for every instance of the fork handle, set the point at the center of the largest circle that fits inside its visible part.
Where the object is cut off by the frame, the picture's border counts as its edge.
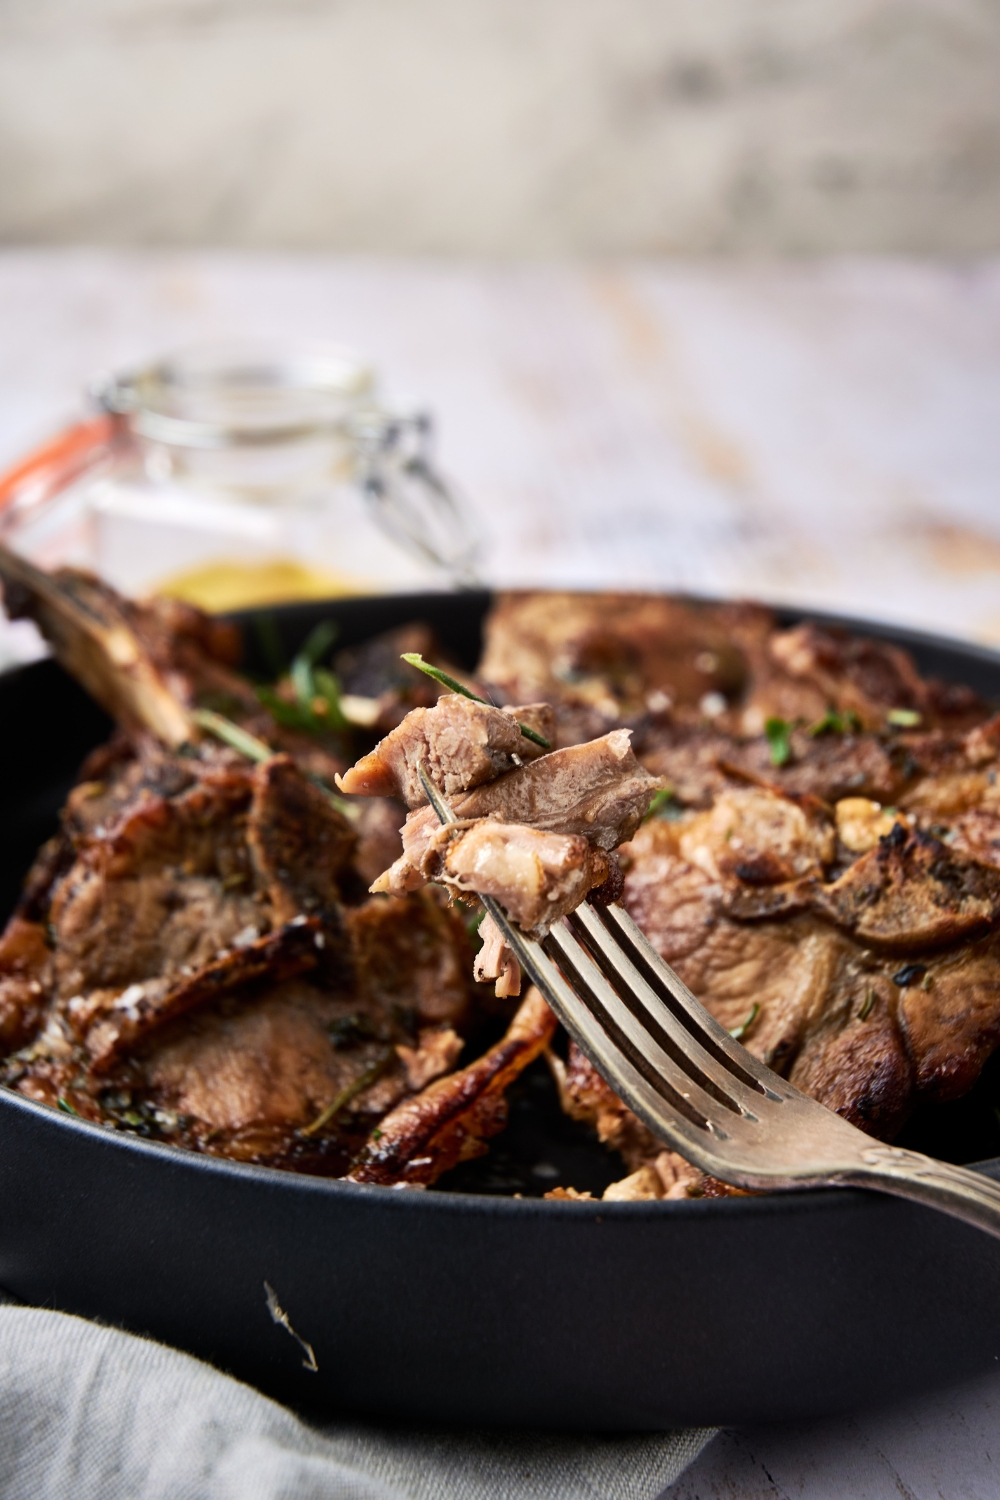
(952, 1190)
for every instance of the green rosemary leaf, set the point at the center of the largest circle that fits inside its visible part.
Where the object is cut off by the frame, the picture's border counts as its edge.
(363, 1081)
(67, 1108)
(844, 721)
(866, 1008)
(779, 737)
(328, 689)
(288, 714)
(903, 718)
(231, 734)
(660, 803)
(740, 1031)
(319, 642)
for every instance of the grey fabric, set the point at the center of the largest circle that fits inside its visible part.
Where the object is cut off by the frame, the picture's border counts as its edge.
(96, 1414)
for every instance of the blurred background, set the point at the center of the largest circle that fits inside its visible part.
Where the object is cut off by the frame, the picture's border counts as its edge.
(503, 127)
(698, 295)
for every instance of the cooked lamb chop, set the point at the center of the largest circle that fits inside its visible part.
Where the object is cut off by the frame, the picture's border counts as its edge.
(602, 659)
(805, 672)
(150, 664)
(848, 985)
(452, 1119)
(176, 930)
(194, 956)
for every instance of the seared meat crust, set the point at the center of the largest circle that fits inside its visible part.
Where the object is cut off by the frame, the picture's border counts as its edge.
(453, 1118)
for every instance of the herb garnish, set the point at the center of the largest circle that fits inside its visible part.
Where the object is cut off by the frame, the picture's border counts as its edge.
(740, 1031)
(231, 734)
(660, 803)
(866, 1007)
(844, 721)
(317, 691)
(415, 659)
(363, 1081)
(67, 1108)
(778, 733)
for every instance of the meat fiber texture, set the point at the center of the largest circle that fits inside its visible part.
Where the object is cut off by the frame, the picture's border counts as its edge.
(459, 743)
(537, 838)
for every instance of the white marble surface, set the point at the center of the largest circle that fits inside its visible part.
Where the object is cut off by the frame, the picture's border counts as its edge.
(826, 433)
(503, 126)
(943, 1447)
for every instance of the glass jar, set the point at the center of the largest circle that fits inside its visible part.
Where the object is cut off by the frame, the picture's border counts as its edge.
(241, 474)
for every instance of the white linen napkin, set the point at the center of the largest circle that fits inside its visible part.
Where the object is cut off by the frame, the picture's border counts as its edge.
(96, 1414)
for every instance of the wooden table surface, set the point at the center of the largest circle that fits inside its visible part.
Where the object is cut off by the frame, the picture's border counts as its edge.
(819, 433)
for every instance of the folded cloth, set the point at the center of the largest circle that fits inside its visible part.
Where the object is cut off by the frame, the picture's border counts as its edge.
(96, 1414)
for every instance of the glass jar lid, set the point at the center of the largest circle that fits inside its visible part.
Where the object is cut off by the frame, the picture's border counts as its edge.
(240, 394)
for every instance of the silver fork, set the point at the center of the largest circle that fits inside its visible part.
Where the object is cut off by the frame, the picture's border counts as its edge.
(696, 1088)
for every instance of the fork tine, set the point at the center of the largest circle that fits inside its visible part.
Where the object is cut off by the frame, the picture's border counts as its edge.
(731, 1085)
(691, 1014)
(684, 1129)
(684, 1088)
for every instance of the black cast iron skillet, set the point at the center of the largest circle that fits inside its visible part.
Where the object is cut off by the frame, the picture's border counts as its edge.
(460, 1306)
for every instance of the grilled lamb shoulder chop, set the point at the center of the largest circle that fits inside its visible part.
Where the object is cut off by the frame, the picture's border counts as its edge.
(203, 970)
(451, 1120)
(150, 663)
(870, 990)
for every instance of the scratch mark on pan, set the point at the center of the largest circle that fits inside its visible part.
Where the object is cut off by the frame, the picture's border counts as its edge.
(279, 1316)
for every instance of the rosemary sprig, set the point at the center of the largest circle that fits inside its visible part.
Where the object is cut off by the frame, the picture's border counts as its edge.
(778, 733)
(740, 1031)
(317, 690)
(660, 803)
(371, 1074)
(416, 660)
(231, 734)
(834, 722)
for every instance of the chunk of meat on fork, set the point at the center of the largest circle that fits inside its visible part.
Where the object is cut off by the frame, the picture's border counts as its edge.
(460, 743)
(597, 792)
(538, 876)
